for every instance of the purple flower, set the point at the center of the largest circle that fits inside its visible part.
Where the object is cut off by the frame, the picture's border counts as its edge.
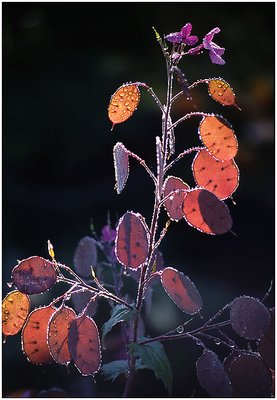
(215, 52)
(183, 36)
(108, 234)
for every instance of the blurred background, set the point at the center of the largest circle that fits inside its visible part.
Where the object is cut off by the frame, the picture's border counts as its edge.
(61, 64)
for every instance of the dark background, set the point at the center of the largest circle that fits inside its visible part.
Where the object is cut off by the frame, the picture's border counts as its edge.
(61, 64)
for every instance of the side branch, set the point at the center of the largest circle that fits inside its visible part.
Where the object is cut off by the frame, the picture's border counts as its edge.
(153, 94)
(187, 116)
(143, 163)
(181, 155)
(186, 334)
(193, 85)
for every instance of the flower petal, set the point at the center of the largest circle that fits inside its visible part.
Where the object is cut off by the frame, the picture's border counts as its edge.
(215, 58)
(174, 37)
(191, 40)
(186, 30)
(195, 50)
(217, 49)
(211, 34)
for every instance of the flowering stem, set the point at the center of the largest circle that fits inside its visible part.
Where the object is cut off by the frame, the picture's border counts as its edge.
(161, 150)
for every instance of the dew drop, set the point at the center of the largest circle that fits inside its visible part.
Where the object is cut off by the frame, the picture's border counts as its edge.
(9, 284)
(217, 342)
(4, 339)
(180, 329)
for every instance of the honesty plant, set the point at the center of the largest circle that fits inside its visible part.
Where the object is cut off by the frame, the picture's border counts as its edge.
(65, 330)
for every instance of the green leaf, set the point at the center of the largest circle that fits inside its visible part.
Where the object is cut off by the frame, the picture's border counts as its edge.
(119, 313)
(113, 369)
(153, 356)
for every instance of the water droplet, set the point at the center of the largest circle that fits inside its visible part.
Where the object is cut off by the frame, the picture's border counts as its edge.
(9, 284)
(125, 272)
(4, 339)
(217, 342)
(232, 345)
(180, 329)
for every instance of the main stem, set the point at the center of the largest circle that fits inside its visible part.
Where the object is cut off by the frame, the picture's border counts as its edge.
(161, 165)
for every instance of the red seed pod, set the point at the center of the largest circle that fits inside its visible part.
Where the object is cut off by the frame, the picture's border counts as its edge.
(84, 345)
(181, 290)
(58, 334)
(15, 310)
(218, 136)
(221, 91)
(205, 212)
(123, 103)
(34, 336)
(174, 205)
(34, 275)
(219, 177)
(132, 240)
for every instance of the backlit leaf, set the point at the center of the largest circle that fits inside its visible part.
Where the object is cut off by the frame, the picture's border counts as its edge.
(219, 177)
(132, 240)
(174, 205)
(212, 376)
(250, 377)
(267, 344)
(153, 356)
(121, 166)
(34, 336)
(84, 345)
(119, 313)
(15, 310)
(249, 317)
(221, 92)
(123, 103)
(58, 334)
(34, 275)
(113, 369)
(181, 290)
(85, 256)
(205, 212)
(218, 136)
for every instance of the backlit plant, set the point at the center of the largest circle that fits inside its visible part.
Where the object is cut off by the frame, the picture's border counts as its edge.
(65, 330)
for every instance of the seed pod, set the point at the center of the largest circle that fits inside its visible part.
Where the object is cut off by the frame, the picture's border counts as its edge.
(221, 91)
(123, 103)
(15, 310)
(218, 136)
(34, 275)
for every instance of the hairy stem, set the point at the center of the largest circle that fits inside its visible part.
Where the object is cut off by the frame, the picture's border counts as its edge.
(161, 149)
